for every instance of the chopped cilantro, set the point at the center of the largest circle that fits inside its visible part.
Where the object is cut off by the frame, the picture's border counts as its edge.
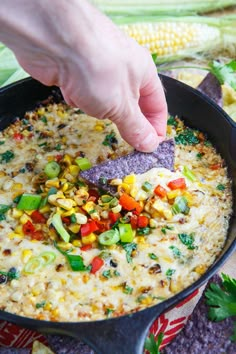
(109, 312)
(129, 248)
(6, 156)
(187, 137)
(39, 305)
(43, 144)
(225, 73)
(207, 143)
(58, 147)
(187, 240)
(164, 228)
(116, 273)
(25, 121)
(152, 345)
(220, 187)
(22, 170)
(11, 274)
(176, 252)
(2, 217)
(107, 274)
(199, 155)
(172, 121)
(2, 142)
(152, 256)
(44, 119)
(128, 289)
(110, 139)
(143, 231)
(3, 209)
(169, 273)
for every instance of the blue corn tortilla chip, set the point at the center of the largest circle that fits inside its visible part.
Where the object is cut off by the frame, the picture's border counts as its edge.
(136, 162)
(211, 87)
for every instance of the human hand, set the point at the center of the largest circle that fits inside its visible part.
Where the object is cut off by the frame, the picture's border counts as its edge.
(97, 67)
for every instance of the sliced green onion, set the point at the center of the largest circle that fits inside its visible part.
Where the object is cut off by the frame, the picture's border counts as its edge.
(126, 233)
(114, 202)
(180, 206)
(29, 202)
(147, 186)
(106, 198)
(109, 237)
(52, 169)
(57, 223)
(34, 265)
(83, 163)
(76, 262)
(189, 174)
(48, 257)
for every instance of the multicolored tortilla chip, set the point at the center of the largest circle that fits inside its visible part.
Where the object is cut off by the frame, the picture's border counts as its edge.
(137, 162)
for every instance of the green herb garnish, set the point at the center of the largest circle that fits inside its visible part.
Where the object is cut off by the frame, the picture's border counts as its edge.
(58, 147)
(172, 121)
(107, 274)
(220, 187)
(11, 274)
(152, 345)
(40, 305)
(222, 300)
(110, 139)
(199, 155)
(109, 312)
(2, 142)
(143, 231)
(129, 248)
(44, 119)
(176, 252)
(127, 289)
(187, 240)
(6, 156)
(169, 273)
(188, 137)
(76, 262)
(152, 256)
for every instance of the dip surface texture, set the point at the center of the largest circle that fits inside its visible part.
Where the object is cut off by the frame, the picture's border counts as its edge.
(71, 252)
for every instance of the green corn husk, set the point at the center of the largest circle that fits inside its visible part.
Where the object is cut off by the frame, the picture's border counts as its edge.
(161, 7)
(10, 69)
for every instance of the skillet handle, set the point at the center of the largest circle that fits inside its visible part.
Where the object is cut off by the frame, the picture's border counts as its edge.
(120, 335)
(233, 144)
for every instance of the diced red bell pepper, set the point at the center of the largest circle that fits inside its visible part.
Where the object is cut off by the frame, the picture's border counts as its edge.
(58, 157)
(38, 218)
(37, 235)
(86, 229)
(96, 264)
(142, 221)
(160, 191)
(134, 221)
(86, 247)
(28, 228)
(178, 183)
(215, 167)
(66, 220)
(103, 225)
(129, 203)
(93, 193)
(114, 216)
(18, 136)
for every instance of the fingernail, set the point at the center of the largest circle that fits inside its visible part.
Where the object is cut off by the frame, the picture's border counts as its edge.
(149, 143)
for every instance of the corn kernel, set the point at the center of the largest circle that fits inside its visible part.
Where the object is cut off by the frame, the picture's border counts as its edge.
(24, 218)
(16, 186)
(35, 292)
(55, 312)
(61, 114)
(146, 300)
(89, 206)
(167, 214)
(74, 170)
(116, 182)
(64, 139)
(141, 195)
(201, 269)
(19, 230)
(117, 208)
(69, 212)
(153, 223)
(65, 187)
(63, 281)
(26, 254)
(13, 235)
(64, 245)
(77, 243)
(85, 278)
(130, 179)
(48, 306)
(124, 187)
(41, 111)
(81, 218)
(173, 194)
(158, 206)
(189, 198)
(98, 128)
(74, 228)
(66, 204)
(87, 240)
(61, 299)
(16, 214)
(134, 192)
(53, 183)
(67, 160)
(45, 209)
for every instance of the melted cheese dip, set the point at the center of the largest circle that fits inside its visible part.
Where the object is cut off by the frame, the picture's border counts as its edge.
(171, 246)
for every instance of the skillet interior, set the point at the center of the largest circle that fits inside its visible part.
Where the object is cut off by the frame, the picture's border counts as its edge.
(118, 334)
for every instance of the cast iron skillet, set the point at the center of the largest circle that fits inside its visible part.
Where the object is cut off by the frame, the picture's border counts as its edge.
(126, 334)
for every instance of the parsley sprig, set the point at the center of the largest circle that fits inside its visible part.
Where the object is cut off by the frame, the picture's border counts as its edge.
(222, 300)
(152, 345)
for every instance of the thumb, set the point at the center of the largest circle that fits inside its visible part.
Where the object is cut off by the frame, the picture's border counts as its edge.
(136, 130)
